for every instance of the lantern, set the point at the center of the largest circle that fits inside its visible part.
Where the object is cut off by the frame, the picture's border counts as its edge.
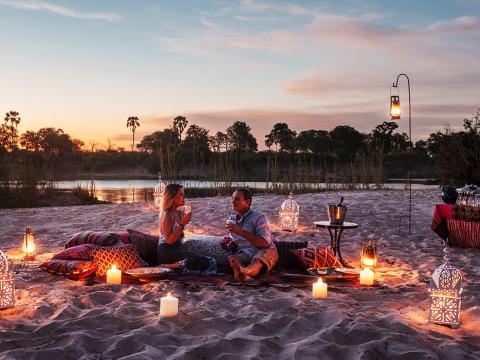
(395, 107)
(7, 288)
(289, 214)
(158, 192)
(368, 255)
(28, 246)
(446, 295)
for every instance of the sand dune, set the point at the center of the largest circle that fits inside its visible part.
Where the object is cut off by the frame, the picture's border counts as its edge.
(63, 319)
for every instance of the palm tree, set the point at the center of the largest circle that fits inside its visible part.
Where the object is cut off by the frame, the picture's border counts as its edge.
(14, 118)
(133, 123)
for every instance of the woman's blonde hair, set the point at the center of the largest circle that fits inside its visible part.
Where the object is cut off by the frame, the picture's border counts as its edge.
(168, 195)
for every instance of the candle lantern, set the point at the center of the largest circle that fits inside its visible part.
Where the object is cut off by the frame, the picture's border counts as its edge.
(368, 256)
(336, 213)
(7, 287)
(28, 246)
(395, 107)
(289, 212)
(446, 295)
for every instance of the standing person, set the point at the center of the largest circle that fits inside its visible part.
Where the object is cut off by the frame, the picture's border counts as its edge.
(252, 238)
(172, 223)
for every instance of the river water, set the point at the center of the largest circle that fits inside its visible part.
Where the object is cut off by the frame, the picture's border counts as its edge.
(121, 191)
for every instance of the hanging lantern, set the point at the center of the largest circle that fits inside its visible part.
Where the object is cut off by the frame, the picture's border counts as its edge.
(395, 107)
(289, 214)
(28, 246)
(394, 104)
(368, 256)
(7, 287)
(446, 296)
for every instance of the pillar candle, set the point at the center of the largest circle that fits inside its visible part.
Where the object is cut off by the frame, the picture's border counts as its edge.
(168, 306)
(366, 276)
(114, 276)
(319, 289)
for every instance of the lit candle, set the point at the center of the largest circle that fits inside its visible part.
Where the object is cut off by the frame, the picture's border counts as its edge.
(366, 276)
(168, 306)
(337, 215)
(319, 289)
(114, 276)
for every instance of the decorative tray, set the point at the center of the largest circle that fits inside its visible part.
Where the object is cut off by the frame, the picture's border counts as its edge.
(336, 274)
(154, 272)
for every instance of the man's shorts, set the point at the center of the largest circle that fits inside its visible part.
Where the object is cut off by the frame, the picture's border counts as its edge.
(268, 257)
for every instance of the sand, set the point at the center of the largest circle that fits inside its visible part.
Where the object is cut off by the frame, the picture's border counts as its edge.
(56, 318)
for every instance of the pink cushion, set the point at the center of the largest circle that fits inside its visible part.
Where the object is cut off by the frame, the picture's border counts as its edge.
(72, 269)
(79, 252)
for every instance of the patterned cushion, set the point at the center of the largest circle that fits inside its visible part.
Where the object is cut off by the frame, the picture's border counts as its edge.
(207, 245)
(79, 252)
(317, 258)
(146, 245)
(100, 238)
(286, 259)
(72, 269)
(78, 238)
(124, 257)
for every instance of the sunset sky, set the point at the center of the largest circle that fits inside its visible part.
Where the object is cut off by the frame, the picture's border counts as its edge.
(86, 66)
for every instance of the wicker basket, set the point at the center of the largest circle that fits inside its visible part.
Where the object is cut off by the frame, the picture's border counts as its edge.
(466, 213)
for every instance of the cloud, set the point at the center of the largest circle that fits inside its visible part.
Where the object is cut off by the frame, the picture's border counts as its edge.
(59, 9)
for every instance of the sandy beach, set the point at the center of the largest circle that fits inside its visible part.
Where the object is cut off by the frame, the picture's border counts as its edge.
(58, 318)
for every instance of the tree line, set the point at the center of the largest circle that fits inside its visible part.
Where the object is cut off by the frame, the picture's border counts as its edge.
(184, 150)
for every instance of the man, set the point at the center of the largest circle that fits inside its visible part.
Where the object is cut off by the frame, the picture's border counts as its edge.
(255, 251)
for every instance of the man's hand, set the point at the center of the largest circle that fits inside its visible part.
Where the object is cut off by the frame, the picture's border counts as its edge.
(234, 229)
(228, 244)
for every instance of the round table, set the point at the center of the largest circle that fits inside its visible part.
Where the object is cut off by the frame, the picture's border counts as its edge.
(335, 236)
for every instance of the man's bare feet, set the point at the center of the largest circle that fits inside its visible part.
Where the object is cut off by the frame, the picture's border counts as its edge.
(235, 265)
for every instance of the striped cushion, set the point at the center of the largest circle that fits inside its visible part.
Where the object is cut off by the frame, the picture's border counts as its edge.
(124, 257)
(317, 258)
(463, 233)
(100, 238)
(72, 269)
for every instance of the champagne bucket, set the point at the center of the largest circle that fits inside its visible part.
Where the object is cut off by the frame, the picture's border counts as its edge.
(336, 214)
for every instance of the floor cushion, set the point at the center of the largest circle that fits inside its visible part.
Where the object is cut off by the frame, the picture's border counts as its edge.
(317, 258)
(286, 259)
(79, 252)
(72, 269)
(100, 238)
(146, 245)
(207, 245)
(124, 257)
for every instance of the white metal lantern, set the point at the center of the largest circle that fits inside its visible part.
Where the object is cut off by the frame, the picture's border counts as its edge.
(289, 214)
(7, 287)
(158, 192)
(446, 295)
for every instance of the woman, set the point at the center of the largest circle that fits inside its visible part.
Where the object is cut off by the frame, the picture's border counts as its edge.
(172, 223)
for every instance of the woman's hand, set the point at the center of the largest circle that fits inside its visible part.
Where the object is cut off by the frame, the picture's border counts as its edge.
(186, 218)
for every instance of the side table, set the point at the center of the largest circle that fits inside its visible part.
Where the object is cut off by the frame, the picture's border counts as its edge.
(335, 236)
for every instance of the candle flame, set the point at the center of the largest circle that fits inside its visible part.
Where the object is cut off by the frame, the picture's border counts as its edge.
(319, 281)
(368, 262)
(169, 293)
(114, 267)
